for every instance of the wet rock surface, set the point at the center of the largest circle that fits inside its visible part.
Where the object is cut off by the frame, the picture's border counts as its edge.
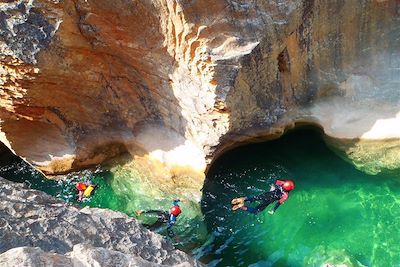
(30, 218)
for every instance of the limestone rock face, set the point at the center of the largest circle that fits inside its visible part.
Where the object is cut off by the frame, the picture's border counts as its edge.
(35, 219)
(28, 256)
(329, 63)
(82, 255)
(178, 82)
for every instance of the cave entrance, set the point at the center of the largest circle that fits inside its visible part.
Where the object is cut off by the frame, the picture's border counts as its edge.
(336, 214)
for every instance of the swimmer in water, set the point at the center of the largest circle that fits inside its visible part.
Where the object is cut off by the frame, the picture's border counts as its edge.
(278, 192)
(168, 217)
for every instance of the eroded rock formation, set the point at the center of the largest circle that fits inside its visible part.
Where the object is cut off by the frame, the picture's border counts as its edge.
(81, 255)
(178, 82)
(49, 228)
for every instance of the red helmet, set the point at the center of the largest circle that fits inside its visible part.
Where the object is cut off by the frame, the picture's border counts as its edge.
(81, 186)
(175, 210)
(288, 185)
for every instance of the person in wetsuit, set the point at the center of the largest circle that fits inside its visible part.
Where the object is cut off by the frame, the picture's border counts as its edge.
(278, 192)
(85, 190)
(168, 217)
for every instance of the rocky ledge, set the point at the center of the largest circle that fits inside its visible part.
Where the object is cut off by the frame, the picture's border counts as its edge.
(37, 229)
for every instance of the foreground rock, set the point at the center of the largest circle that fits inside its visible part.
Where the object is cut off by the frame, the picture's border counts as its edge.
(82, 255)
(34, 219)
(176, 83)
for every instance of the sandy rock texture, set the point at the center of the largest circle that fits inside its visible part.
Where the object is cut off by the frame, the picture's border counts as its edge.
(176, 83)
(53, 233)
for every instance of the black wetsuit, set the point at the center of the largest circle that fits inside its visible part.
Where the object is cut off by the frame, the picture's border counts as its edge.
(162, 218)
(266, 199)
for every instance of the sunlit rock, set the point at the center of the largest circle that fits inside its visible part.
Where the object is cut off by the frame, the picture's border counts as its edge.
(81, 255)
(83, 81)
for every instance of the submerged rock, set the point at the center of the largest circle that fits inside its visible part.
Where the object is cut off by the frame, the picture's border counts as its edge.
(328, 257)
(47, 225)
(369, 156)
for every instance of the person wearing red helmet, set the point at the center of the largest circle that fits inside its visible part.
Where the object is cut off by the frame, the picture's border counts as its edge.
(278, 192)
(84, 190)
(163, 217)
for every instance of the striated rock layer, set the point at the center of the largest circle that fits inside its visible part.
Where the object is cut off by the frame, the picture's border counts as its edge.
(176, 83)
(47, 228)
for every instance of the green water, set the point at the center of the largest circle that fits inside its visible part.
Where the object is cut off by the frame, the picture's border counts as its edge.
(119, 188)
(336, 214)
(14, 169)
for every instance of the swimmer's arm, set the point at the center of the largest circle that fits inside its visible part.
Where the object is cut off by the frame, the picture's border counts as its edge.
(275, 208)
(272, 188)
(280, 201)
(140, 212)
(171, 222)
(80, 195)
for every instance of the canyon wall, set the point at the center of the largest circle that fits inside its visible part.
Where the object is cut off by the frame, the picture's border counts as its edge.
(176, 83)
